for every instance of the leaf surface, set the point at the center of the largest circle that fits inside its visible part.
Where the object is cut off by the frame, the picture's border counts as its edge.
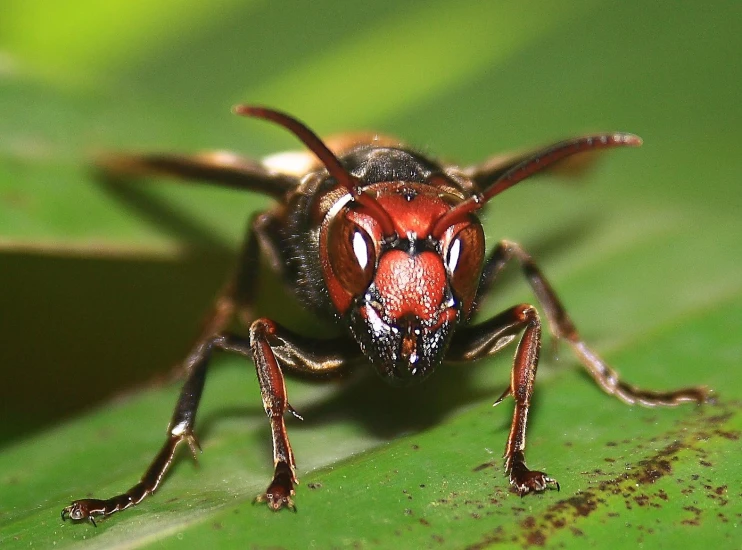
(102, 289)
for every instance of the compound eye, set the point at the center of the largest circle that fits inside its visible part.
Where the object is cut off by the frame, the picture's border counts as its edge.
(352, 255)
(463, 259)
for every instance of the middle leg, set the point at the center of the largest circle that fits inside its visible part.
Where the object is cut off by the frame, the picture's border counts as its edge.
(180, 430)
(563, 328)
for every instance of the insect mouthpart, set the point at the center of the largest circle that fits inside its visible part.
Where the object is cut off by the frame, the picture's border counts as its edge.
(404, 352)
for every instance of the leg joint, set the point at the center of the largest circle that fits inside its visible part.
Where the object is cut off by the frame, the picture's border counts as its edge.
(527, 314)
(261, 329)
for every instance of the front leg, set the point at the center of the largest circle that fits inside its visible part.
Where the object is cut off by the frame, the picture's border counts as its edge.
(522, 379)
(275, 402)
(269, 342)
(487, 338)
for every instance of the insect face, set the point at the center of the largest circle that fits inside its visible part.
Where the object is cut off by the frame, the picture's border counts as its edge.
(402, 295)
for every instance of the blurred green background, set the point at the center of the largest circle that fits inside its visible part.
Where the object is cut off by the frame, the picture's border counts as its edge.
(101, 290)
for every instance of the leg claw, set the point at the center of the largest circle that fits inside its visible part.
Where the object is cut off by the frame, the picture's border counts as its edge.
(83, 509)
(277, 497)
(281, 490)
(525, 481)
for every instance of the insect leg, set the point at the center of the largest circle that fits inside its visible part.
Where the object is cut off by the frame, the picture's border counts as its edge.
(489, 337)
(180, 430)
(563, 328)
(269, 342)
(308, 355)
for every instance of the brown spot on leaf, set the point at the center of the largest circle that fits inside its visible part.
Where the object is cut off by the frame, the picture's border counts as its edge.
(696, 519)
(536, 538)
(630, 489)
(731, 436)
(583, 504)
(642, 500)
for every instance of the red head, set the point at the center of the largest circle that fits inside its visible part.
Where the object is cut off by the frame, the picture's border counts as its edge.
(403, 293)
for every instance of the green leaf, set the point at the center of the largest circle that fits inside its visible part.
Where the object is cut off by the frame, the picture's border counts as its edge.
(101, 290)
